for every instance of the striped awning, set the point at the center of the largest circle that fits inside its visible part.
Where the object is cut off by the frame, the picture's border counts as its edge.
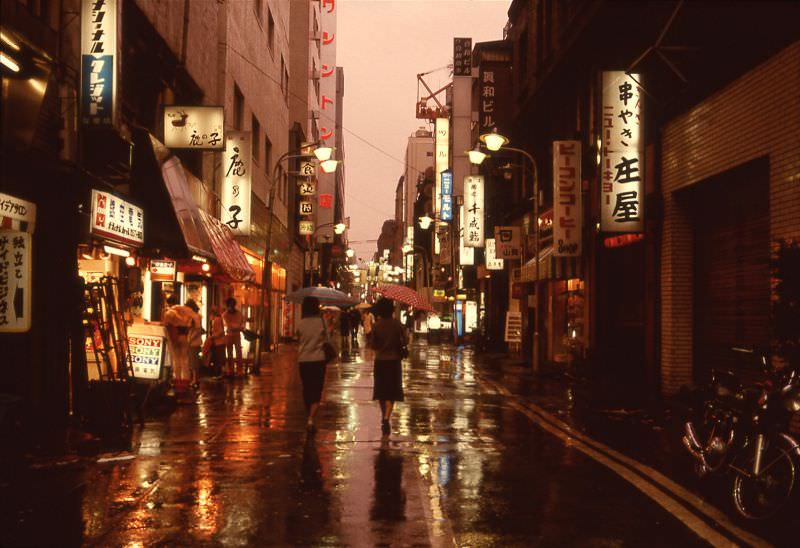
(551, 268)
(227, 251)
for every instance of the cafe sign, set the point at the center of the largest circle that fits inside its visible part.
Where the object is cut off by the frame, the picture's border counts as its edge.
(199, 127)
(116, 219)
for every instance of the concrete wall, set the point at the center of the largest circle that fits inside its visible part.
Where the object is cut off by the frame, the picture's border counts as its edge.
(757, 115)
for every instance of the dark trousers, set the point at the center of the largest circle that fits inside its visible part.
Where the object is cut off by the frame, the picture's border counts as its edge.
(217, 359)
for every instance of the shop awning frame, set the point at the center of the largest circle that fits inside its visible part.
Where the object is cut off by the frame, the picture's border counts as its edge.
(550, 267)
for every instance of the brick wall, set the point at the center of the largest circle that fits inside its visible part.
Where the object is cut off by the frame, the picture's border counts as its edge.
(757, 115)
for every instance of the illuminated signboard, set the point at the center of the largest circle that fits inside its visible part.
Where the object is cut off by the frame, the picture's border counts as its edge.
(237, 181)
(98, 62)
(194, 127)
(567, 202)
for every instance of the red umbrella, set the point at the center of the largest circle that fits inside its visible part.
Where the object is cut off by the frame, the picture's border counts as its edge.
(405, 295)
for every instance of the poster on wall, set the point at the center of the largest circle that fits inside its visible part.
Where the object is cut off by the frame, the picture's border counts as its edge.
(16, 262)
(98, 62)
(198, 127)
(567, 201)
(622, 158)
(116, 219)
(237, 180)
(473, 210)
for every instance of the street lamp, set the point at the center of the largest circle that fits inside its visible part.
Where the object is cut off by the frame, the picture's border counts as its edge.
(425, 222)
(476, 155)
(350, 253)
(494, 142)
(338, 229)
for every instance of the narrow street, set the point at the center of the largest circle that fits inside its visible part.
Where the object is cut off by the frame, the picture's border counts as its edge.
(467, 464)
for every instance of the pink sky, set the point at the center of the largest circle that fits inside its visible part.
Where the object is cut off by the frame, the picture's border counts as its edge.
(382, 46)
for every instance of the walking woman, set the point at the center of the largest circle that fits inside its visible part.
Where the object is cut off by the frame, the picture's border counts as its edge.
(312, 333)
(388, 339)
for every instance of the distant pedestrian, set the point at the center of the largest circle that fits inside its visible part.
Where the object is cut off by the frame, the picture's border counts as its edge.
(355, 320)
(344, 331)
(195, 343)
(389, 342)
(219, 342)
(234, 325)
(177, 321)
(312, 333)
(368, 320)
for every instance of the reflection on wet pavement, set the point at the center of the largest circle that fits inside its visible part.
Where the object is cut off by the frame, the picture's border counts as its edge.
(461, 467)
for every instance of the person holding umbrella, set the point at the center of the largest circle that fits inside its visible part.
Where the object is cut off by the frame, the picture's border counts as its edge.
(312, 334)
(389, 342)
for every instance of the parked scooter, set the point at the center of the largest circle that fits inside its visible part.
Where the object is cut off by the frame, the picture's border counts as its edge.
(744, 432)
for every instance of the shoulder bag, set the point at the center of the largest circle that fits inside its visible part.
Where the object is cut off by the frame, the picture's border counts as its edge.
(327, 347)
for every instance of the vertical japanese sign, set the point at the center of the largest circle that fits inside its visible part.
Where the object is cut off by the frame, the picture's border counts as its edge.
(116, 219)
(442, 160)
(327, 116)
(622, 162)
(466, 255)
(447, 196)
(194, 127)
(494, 81)
(492, 262)
(462, 56)
(473, 211)
(98, 62)
(237, 181)
(15, 281)
(567, 204)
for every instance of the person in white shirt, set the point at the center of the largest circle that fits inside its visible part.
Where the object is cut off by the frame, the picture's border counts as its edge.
(234, 325)
(313, 334)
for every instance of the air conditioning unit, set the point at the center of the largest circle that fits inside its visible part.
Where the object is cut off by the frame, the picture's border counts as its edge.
(316, 36)
(314, 114)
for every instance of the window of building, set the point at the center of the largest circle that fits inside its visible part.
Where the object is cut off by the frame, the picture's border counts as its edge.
(256, 131)
(270, 30)
(238, 107)
(267, 155)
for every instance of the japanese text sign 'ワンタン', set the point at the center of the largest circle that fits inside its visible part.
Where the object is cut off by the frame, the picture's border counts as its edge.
(567, 203)
(622, 161)
(194, 127)
(237, 181)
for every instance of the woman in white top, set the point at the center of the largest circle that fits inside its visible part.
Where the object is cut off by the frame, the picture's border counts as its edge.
(312, 333)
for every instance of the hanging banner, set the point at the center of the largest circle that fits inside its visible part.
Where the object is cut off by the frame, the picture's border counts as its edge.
(492, 262)
(16, 262)
(508, 242)
(116, 219)
(442, 160)
(466, 255)
(98, 62)
(622, 161)
(473, 210)
(447, 196)
(194, 127)
(237, 181)
(567, 202)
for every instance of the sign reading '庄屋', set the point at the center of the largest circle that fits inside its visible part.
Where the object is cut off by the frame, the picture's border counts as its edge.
(622, 168)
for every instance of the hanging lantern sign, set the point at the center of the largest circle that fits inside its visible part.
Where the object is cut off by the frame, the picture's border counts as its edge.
(622, 160)
(237, 181)
(306, 208)
(567, 204)
(307, 168)
(306, 228)
(473, 211)
(307, 188)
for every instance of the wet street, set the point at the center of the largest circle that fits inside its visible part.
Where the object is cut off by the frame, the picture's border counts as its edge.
(468, 463)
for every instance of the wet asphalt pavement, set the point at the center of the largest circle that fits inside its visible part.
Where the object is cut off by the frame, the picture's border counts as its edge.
(479, 455)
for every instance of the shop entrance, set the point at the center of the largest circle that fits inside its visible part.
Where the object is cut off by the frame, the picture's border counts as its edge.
(730, 215)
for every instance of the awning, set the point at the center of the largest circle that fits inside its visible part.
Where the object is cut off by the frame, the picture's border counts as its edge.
(229, 254)
(556, 268)
(160, 182)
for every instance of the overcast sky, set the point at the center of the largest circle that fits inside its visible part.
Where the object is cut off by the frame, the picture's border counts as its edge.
(382, 45)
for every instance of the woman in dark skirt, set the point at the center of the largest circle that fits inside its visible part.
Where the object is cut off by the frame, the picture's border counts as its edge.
(388, 340)
(312, 334)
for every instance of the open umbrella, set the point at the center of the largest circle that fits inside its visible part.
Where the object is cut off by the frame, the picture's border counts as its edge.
(405, 295)
(363, 306)
(326, 296)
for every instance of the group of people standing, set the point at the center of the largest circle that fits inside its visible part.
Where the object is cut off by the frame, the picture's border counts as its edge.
(386, 336)
(223, 348)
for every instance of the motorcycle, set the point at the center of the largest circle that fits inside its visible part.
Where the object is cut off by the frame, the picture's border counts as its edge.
(744, 432)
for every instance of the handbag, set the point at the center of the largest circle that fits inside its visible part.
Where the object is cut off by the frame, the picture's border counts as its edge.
(327, 347)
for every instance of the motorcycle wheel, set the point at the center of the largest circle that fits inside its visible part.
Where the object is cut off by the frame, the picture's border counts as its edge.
(763, 496)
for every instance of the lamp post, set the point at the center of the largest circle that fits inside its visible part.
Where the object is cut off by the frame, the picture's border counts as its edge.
(495, 142)
(307, 152)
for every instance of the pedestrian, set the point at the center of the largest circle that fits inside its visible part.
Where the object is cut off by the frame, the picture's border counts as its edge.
(355, 320)
(177, 321)
(219, 342)
(344, 332)
(389, 343)
(367, 320)
(312, 333)
(195, 343)
(234, 325)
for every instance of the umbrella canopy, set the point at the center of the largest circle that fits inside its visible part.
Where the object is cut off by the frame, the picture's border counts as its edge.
(332, 308)
(404, 295)
(326, 296)
(363, 306)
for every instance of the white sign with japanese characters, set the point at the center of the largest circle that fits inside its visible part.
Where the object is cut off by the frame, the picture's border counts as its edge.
(194, 127)
(567, 204)
(466, 255)
(237, 181)
(116, 219)
(442, 160)
(15, 281)
(473, 211)
(492, 262)
(622, 161)
(17, 213)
